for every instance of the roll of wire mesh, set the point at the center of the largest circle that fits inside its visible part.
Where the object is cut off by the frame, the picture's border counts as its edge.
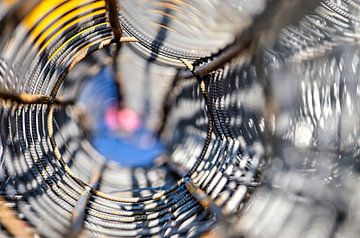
(257, 103)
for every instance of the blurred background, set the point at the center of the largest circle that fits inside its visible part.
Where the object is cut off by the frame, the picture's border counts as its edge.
(118, 133)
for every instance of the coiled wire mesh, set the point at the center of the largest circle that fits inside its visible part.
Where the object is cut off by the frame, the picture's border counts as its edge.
(258, 104)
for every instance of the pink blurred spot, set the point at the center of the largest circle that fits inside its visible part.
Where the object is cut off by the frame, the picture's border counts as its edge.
(111, 118)
(124, 119)
(128, 120)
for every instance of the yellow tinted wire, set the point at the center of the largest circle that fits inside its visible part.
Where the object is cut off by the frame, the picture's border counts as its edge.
(41, 9)
(66, 27)
(73, 37)
(65, 14)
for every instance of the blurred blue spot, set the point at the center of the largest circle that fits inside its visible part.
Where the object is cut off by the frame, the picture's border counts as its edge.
(138, 149)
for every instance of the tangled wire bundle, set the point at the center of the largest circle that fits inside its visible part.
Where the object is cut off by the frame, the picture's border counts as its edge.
(257, 103)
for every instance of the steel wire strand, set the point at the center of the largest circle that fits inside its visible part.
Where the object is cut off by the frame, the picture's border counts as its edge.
(226, 167)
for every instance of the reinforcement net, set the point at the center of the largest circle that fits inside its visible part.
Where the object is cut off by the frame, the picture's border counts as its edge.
(256, 101)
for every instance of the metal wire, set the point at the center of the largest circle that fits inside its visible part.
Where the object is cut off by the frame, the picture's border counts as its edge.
(257, 103)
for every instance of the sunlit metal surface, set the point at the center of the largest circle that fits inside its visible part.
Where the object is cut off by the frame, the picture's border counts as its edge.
(257, 103)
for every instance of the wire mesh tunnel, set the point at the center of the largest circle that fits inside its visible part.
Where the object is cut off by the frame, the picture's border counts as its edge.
(256, 102)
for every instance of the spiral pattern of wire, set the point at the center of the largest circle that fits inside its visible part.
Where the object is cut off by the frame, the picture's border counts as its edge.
(257, 103)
